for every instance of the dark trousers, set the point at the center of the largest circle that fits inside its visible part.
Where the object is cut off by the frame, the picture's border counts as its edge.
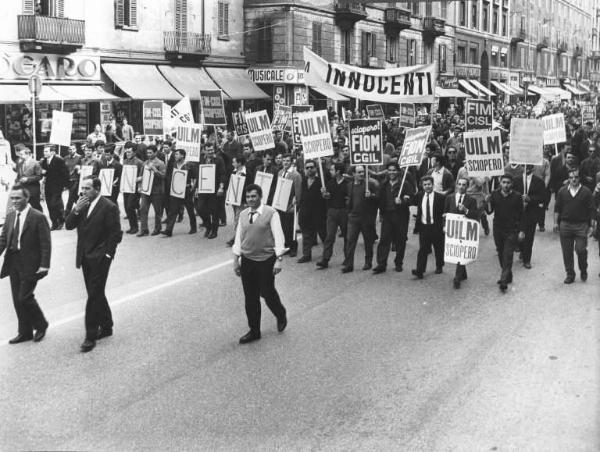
(29, 313)
(356, 225)
(542, 211)
(221, 213)
(258, 281)
(430, 235)
(309, 235)
(73, 195)
(131, 201)
(526, 246)
(336, 218)
(394, 229)
(573, 236)
(157, 202)
(175, 205)
(56, 208)
(208, 208)
(34, 196)
(97, 311)
(461, 272)
(506, 244)
(287, 224)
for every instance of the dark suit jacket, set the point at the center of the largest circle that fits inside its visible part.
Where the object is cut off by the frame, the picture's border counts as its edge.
(57, 174)
(35, 243)
(470, 203)
(97, 235)
(536, 191)
(438, 208)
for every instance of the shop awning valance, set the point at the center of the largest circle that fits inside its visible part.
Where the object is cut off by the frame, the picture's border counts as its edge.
(470, 88)
(236, 83)
(539, 90)
(564, 95)
(19, 93)
(189, 80)
(83, 93)
(141, 81)
(483, 88)
(574, 90)
(449, 92)
(502, 87)
(329, 93)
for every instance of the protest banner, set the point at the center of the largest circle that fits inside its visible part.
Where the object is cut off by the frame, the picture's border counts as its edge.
(189, 138)
(106, 176)
(554, 128)
(414, 84)
(181, 113)
(461, 244)
(235, 190)
(588, 113)
(281, 117)
(483, 153)
(147, 182)
(297, 109)
(366, 146)
(315, 134)
(212, 107)
(283, 190)
(259, 129)
(84, 171)
(478, 114)
(207, 175)
(526, 141)
(413, 148)
(539, 107)
(239, 123)
(178, 183)
(128, 179)
(407, 115)
(62, 126)
(264, 181)
(375, 111)
(152, 117)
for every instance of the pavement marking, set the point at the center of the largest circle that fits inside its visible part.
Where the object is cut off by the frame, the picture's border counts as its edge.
(140, 294)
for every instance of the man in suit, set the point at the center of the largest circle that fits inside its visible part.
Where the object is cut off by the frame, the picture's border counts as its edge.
(462, 204)
(26, 239)
(312, 210)
(533, 192)
(430, 220)
(29, 175)
(110, 160)
(208, 203)
(287, 217)
(156, 198)
(56, 176)
(98, 234)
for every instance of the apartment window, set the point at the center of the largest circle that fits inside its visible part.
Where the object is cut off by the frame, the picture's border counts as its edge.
(368, 47)
(504, 24)
(265, 42)
(462, 13)
(428, 8)
(495, 21)
(462, 54)
(347, 44)
(474, 16)
(316, 37)
(442, 58)
(392, 49)
(411, 52)
(473, 55)
(223, 20)
(444, 10)
(485, 19)
(414, 6)
(126, 13)
(503, 60)
(50, 8)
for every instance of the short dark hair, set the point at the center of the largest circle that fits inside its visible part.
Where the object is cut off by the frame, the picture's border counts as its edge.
(573, 170)
(181, 151)
(393, 164)
(99, 143)
(339, 167)
(128, 145)
(507, 176)
(254, 187)
(240, 159)
(22, 189)
(426, 178)
(152, 148)
(96, 182)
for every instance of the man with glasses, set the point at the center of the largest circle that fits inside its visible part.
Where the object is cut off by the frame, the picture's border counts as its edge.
(574, 219)
(311, 212)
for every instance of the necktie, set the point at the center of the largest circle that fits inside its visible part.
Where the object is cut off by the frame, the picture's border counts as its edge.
(252, 217)
(14, 241)
(428, 214)
(460, 200)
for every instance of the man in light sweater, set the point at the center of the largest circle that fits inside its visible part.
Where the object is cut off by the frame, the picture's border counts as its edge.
(258, 249)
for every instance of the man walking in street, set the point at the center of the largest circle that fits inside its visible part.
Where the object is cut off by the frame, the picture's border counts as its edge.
(311, 211)
(156, 198)
(73, 163)
(29, 175)
(56, 177)
(287, 217)
(208, 203)
(131, 201)
(258, 250)
(98, 234)
(26, 239)
(175, 203)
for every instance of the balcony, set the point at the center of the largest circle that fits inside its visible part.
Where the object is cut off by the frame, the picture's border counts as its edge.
(433, 27)
(520, 36)
(562, 47)
(396, 20)
(542, 43)
(596, 54)
(186, 45)
(348, 13)
(577, 51)
(50, 34)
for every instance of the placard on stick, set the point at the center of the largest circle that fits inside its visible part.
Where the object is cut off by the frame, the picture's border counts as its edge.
(297, 109)
(62, 126)
(413, 148)
(235, 190)
(189, 138)
(128, 179)
(213, 109)
(366, 146)
(483, 153)
(259, 129)
(478, 114)
(152, 114)
(554, 128)
(375, 111)
(85, 171)
(315, 134)
(283, 190)
(526, 141)
(207, 175)
(461, 245)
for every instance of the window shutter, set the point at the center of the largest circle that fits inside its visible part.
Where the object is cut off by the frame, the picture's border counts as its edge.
(60, 8)
(133, 22)
(364, 49)
(226, 19)
(119, 13)
(181, 15)
(27, 6)
(374, 45)
(316, 38)
(343, 47)
(220, 19)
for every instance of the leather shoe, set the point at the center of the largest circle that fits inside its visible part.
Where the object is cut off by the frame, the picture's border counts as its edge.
(88, 345)
(322, 264)
(281, 324)
(438, 270)
(229, 243)
(40, 334)
(303, 260)
(503, 287)
(104, 332)
(132, 231)
(142, 233)
(527, 265)
(457, 283)
(347, 269)
(418, 274)
(569, 280)
(398, 268)
(212, 235)
(250, 336)
(367, 266)
(192, 231)
(20, 338)
(207, 233)
(584, 276)
(379, 269)
(292, 253)
(166, 233)
(155, 232)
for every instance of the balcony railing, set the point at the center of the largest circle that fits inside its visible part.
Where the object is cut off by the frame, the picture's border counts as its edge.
(596, 54)
(433, 27)
(520, 36)
(347, 13)
(562, 47)
(396, 20)
(40, 31)
(542, 43)
(577, 51)
(187, 43)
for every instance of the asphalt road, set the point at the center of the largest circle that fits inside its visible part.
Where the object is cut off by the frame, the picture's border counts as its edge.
(368, 362)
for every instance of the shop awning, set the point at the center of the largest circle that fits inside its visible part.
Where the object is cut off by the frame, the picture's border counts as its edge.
(449, 92)
(236, 83)
(329, 93)
(19, 93)
(470, 88)
(141, 81)
(483, 88)
(574, 90)
(564, 95)
(83, 93)
(538, 90)
(516, 90)
(188, 80)
(502, 88)
(584, 87)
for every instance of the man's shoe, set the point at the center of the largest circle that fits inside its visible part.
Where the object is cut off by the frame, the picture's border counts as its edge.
(293, 253)
(398, 268)
(347, 269)
(322, 264)
(40, 334)
(527, 265)
(166, 233)
(222, 223)
(457, 283)
(418, 274)
(569, 280)
(230, 242)
(303, 260)
(379, 269)
(438, 270)
(486, 230)
(104, 332)
(520, 256)
(542, 229)
(212, 235)
(132, 231)
(20, 338)
(88, 345)
(192, 231)
(584, 276)
(142, 233)
(179, 218)
(281, 324)
(503, 287)
(207, 232)
(155, 232)
(250, 336)
(367, 266)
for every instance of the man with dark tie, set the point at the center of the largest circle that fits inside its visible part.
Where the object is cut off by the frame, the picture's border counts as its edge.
(29, 175)
(98, 234)
(26, 239)
(430, 211)
(56, 177)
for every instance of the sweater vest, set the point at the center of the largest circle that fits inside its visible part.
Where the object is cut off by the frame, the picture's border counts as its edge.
(257, 242)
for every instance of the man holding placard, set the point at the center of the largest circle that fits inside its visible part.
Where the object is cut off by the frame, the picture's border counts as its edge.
(152, 191)
(208, 203)
(130, 179)
(289, 205)
(181, 192)
(311, 210)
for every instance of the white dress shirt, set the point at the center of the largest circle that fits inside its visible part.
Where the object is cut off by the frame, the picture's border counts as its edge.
(424, 207)
(92, 205)
(276, 230)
